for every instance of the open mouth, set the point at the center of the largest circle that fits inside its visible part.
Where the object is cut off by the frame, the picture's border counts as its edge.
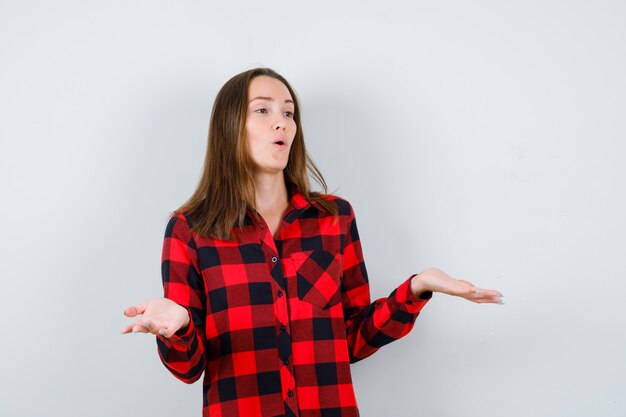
(280, 143)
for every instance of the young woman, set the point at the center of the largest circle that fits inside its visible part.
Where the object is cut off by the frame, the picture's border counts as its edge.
(265, 287)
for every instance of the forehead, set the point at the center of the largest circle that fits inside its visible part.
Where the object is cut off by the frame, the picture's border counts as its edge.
(268, 87)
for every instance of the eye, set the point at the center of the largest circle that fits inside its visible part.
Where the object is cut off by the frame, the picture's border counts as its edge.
(262, 111)
(289, 114)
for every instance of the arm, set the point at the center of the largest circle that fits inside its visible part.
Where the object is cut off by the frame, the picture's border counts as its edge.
(370, 326)
(183, 352)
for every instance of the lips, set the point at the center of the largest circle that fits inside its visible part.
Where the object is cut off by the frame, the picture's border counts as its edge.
(280, 143)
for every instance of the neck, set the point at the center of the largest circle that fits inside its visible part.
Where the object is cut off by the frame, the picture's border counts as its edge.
(270, 191)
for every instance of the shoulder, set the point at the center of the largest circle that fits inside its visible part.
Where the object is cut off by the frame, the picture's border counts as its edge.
(344, 208)
(178, 225)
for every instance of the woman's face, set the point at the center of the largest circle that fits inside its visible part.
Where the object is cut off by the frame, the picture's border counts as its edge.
(270, 127)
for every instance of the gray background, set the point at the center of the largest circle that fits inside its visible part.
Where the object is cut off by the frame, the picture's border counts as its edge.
(484, 138)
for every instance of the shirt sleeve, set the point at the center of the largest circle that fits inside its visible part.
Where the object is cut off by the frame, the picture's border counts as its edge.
(369, 326)
(183, 353)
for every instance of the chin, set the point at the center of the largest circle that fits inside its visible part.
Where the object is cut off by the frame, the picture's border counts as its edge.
(276, 169)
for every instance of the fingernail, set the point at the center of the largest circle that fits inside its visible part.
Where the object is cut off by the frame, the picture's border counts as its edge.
(146, 324)
(501, 303)
(162, 332)
(478, 292)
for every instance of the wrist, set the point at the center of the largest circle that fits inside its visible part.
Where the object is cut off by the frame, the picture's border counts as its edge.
(417, 285)
(185, 324)
(187, 318)
(419, 288)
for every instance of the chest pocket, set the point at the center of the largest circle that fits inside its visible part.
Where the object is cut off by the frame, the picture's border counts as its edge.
(318, 277)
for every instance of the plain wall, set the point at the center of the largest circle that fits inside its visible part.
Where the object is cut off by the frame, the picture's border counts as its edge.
(484, 138)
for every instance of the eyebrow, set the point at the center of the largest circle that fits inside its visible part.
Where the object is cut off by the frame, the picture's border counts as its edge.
(269, 99)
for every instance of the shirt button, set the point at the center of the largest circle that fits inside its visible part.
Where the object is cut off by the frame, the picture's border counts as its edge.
(274, 259)
(290, 393)
(279, 293)
(283, 327)
(286, 362)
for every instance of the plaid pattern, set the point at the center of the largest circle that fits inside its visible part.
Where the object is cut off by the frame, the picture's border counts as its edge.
(276, 323)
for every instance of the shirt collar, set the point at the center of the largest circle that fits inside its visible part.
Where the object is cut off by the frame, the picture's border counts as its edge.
(297, 199)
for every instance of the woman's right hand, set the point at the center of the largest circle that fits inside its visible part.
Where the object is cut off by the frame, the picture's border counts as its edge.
(158, 316)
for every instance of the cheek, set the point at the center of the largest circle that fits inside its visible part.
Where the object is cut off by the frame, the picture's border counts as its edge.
(293, 128)
(251, 133)
(248, 145)
(254, 129)
(249, 128)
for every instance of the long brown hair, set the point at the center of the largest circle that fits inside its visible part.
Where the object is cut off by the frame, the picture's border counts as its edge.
(226, 188)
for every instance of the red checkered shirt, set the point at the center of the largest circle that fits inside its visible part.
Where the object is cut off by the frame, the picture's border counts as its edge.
(276, 322)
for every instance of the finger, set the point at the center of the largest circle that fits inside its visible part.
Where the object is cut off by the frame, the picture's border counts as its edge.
(139, 327)
(134, 327)
(484, 292)
(150, 326)
(135, 310)
(489, 301)
(127, 329)
(478, 292)
(474, 293)
(166, 333)
(154, 328)
(488, 298)
(493, 293)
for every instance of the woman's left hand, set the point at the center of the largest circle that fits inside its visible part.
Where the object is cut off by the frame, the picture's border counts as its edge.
(435, 280)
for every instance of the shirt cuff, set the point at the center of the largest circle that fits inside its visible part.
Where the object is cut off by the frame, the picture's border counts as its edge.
(412, 303)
